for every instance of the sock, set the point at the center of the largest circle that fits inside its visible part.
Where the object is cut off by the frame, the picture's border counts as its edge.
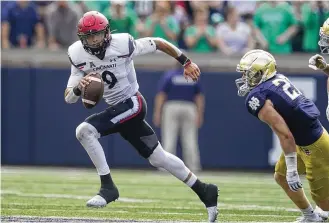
(198, 187)
(88, 137)
(307, 211)
(106, 181)
(162, 159)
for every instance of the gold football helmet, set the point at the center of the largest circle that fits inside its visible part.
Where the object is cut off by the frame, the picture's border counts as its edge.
(256, 67)
(324, 37)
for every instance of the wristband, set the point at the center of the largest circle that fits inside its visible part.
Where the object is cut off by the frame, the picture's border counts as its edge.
(183, 60)
(188, 62)
(291, 161)
(76, 91)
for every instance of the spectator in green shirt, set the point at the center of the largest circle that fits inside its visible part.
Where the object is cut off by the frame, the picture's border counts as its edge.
(201, 36)
(122, 19)
(312, 20)
(161, 23)
(278, 25)
(87, 6)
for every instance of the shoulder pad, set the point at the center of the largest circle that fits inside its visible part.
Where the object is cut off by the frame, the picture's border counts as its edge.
(75, 51)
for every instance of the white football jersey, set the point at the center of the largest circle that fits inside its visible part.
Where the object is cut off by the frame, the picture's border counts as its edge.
(117, 68)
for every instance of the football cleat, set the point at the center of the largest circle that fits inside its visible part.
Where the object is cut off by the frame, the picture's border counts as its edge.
(104, 197)
(97, 202)
(323, 214)
(209, 199)
(312, 218)
(212, 213)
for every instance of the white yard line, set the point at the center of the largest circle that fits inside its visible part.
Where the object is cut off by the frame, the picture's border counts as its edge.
(221, 207)
(164, 213)
(75, 218)
(133, 200)
(69, 196)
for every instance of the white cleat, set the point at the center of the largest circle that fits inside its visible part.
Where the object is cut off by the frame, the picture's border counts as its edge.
(312, 218)
(212, 214)
(323, 214)
(97, 202)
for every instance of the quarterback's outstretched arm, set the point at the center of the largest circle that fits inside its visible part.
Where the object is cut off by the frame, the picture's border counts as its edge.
(170, 49)
(151, 44)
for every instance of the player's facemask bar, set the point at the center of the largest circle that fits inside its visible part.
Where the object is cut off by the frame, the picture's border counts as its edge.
(324, 42)
(93, 40)
(248, 81)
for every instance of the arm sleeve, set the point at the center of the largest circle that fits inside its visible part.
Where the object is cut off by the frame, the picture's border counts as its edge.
(254, 102)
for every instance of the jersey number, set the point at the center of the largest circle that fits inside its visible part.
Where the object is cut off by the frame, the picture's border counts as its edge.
(288, 89)
(111, 82)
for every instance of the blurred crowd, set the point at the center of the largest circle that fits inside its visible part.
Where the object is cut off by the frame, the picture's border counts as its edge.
(231, 27)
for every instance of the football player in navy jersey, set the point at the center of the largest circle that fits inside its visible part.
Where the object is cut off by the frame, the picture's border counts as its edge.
(273, 99)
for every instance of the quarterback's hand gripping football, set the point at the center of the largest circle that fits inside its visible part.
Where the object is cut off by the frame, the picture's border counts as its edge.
(85, 81)
(192, 70)
(317, 62)
(293, 180)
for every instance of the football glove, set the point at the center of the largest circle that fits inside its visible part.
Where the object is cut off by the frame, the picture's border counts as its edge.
(317, 62)
(293, 180)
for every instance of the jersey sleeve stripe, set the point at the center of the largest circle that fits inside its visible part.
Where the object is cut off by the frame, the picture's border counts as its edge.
(131, 45)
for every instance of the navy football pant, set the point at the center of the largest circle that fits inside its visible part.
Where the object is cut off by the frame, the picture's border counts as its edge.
(127, 119)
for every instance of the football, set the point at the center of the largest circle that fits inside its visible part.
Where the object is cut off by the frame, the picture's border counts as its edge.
(93, 92)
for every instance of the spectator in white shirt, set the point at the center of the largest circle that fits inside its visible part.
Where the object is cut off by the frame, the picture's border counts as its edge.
(234, 36)
(243, 7)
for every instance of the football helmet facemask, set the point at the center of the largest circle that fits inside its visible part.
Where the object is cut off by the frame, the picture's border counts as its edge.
(324, 37)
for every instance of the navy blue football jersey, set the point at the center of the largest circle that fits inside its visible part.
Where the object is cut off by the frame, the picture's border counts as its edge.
(299, 112)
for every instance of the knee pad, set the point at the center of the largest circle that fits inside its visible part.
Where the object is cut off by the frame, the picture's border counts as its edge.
(85, 130)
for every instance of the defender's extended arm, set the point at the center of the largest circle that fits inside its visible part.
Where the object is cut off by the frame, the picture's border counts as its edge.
(270, 116)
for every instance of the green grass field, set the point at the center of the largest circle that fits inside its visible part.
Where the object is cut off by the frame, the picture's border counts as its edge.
(60, 195)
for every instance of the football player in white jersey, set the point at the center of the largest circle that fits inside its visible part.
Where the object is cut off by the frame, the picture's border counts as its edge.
(111, 55)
